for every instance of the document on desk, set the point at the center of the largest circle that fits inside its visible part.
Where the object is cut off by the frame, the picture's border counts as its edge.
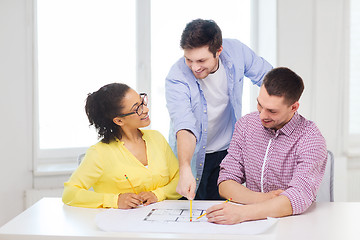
(172, 216)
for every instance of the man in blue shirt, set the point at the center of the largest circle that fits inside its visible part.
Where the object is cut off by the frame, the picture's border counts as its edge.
(204, 100)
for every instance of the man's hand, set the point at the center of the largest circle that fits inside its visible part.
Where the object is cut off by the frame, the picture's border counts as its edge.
(273, 194)
(186, 143)
(187, 184)
(227, 213)
(241, 194)
(262, 197)
(148, 198)
(128, 200)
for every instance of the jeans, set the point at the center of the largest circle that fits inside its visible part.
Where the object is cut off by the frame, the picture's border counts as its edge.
(208, 188)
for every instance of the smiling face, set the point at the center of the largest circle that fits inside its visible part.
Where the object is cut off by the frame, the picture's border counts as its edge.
(201, 61)
(274, 112)
(131, 101)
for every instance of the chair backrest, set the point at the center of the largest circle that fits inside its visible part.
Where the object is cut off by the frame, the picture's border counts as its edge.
(326, 189)
(80, 158)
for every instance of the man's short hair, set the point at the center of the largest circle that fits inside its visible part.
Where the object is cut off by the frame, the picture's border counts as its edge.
(199, 33)
(284, 82)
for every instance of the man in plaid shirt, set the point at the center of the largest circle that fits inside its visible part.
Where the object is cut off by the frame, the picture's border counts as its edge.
(280, 155)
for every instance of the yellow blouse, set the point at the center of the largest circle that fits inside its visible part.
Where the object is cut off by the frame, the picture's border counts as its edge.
(105, 165)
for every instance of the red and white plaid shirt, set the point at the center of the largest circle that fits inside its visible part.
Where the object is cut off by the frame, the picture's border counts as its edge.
(292, 158)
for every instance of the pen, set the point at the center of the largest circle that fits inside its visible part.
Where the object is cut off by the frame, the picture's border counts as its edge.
(227, 200)
(190, 210)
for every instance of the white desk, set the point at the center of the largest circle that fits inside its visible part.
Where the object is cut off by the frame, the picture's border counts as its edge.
(50, 219)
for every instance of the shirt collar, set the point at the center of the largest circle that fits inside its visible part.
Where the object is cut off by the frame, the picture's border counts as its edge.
(226, 60)
(289, 127)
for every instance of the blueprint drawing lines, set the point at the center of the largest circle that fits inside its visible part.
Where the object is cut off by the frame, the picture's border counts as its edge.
(174, 215)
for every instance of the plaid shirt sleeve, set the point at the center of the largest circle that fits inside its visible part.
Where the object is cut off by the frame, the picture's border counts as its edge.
(309, 171)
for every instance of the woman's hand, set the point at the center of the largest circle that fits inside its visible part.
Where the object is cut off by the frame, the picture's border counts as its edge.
(129, 200)
(148, 198)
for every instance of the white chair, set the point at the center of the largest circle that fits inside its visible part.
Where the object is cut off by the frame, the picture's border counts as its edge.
(80, 158)
(326, 189)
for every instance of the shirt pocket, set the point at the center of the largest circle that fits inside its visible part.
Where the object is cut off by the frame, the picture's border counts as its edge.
(123, 185)
(162, 178)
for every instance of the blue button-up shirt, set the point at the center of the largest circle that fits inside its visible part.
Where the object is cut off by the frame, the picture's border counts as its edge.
(186, 102)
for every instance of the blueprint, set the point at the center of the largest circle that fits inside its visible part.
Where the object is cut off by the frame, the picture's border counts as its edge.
(173, 216)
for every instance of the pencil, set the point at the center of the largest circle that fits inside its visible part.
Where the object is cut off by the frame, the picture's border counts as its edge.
(190, 210)
(227, 200)
(130, 184)
(201, 216)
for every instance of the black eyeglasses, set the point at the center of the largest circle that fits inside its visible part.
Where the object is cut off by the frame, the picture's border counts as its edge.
(140, 109)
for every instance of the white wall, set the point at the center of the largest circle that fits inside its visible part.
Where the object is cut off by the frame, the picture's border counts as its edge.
(310, 40)
(15, 109)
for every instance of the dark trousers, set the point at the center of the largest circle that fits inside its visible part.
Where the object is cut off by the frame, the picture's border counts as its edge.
(208, 188)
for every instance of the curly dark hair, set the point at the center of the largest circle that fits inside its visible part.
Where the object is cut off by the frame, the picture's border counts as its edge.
(199, 33)
(283, 82)
(103, 106)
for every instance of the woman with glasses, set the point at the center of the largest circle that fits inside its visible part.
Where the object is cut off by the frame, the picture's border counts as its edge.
(129, 166)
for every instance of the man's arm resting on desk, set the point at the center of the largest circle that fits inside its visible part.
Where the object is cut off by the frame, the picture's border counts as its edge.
(228, 213)
(186, 143)
(241, 194)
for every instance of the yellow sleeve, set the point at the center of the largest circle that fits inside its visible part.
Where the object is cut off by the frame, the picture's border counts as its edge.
(169, 191)
(76, 190)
